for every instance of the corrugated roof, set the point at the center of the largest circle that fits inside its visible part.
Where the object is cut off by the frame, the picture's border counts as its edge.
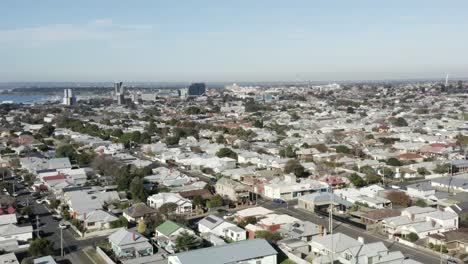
(230, 253)
(168, 227)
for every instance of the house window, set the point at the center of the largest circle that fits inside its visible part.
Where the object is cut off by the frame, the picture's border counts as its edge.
(91, 223)
(348, 256)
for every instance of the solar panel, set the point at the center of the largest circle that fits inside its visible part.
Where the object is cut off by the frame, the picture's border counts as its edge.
(211, 220)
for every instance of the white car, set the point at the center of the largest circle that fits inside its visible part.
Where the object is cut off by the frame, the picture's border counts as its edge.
(39, 201)
(63, 225)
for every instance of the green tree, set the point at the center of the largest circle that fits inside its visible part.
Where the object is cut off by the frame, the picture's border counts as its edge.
(464, 219)
(46, 130)
(373, 178)
(123, 180)
(423, 171)
(171, 141)
(198, 201)
(272, 237)
(226, 152)
(138, 190)
(421, 203)
(400, 122)
(258, 123)
(342, 149)
(399, 198)
(168, 209)
(186, 242)
(294, 166)
(121, 222)
(287, 152)
(65, 151)
(394, 162)
(215, 201)
(220, 139)
(413, 237)
(40, 247)
(356, 180)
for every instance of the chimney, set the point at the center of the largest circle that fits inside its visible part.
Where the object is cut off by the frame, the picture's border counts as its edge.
(361, 240)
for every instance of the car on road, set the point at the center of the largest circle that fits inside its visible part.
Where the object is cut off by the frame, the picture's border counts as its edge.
(229, 215)
(278, 201)
(222, 211)
(63, 225)
(40, 201)
(57, 217)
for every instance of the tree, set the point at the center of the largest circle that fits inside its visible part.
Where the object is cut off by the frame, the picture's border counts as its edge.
(186, 242)
(272, 237)
(421, 203)
(220, 139)
(216, 201)
(356, 180)
(464, 219)
(226, 152)
(40, 247)
(65, 150)
(413, 237)
(423, 171)
(138, 190)
(258, 123)
(167, 209)
(400, 122)
(141, 226)
(249, 220)
(372, 178)
(46, 130)
(394, 162)
(287, 152)
(121, 222)
(198, 201)
(294, 166)
(342, 149)
(399, 198)
(170, 141)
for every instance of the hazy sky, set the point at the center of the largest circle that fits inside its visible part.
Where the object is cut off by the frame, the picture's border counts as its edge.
(150, 40)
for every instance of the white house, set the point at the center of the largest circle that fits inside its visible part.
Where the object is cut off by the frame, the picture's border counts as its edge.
(183, 205)
(220, 227)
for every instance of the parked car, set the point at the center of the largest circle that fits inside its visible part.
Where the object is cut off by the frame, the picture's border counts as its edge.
(40, 201)
(63, 225)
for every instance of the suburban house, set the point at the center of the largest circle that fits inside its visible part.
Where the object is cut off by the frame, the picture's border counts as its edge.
(233, 190)
(138, 211)
(321, 201)
(422, 221)
(9, 258)
(455, 240)
(183, 205)
(289, 188)
(44, 260)
(221, 228)
(128, 244)
(256, 212)
(10, 230)
(83, 202)
(97, 219)
(247, 251)
(167, 233)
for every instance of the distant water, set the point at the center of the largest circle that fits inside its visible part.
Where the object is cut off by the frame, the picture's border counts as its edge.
(23, 99)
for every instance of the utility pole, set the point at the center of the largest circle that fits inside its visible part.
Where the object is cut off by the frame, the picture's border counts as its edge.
(37, 226)
(331, 222)
(61, 241)
(441, 259)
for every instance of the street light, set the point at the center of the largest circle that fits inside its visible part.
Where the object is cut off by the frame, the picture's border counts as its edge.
(61, 240)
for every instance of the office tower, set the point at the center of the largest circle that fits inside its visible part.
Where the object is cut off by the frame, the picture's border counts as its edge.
(119, 91)
(196, 89)
(68, 97)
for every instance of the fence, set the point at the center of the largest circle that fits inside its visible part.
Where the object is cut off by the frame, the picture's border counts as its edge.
(104, 256)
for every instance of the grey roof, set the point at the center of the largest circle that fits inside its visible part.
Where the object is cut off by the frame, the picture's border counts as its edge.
(59, 163)
(8, 258)
(338, 242)
(126, 237)
(325, 198)
(45, 260)
(230, 253)
(421, 186)
(211, 221)
(460, 207)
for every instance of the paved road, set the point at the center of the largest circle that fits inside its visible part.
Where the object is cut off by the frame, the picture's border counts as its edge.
(352, 231)
(48, 228)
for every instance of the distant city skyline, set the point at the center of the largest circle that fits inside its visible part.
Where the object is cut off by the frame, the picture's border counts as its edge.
(241, 41)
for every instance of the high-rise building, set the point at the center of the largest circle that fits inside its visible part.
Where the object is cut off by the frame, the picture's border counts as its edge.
(68, 97)
(196, 89)
(119, 91)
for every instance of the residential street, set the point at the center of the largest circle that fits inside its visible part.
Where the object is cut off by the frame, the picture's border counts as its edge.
(422, 256)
